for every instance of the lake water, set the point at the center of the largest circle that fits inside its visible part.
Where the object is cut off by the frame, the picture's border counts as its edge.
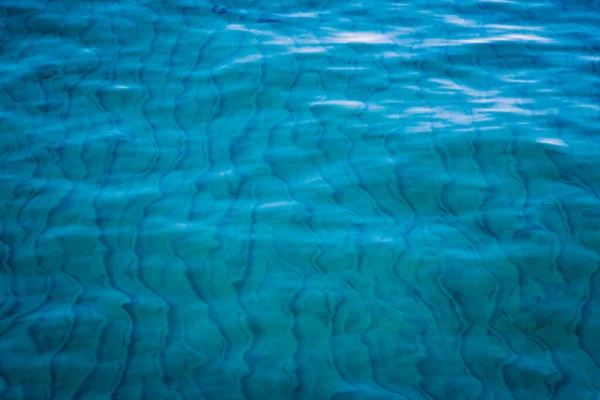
(299, 199)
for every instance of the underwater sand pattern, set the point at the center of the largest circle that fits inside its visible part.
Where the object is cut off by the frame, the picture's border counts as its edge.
(299, 200)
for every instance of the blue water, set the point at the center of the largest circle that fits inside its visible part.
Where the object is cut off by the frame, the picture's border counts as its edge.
(299, 199)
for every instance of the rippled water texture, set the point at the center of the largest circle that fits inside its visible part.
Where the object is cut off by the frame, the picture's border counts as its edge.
(299, 199)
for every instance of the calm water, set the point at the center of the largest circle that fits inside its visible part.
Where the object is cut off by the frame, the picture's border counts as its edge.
(299, 199)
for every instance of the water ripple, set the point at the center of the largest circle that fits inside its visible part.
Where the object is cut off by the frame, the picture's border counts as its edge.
(311, 200)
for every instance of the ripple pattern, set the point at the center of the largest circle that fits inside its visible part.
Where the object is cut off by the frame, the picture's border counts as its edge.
(299, 199)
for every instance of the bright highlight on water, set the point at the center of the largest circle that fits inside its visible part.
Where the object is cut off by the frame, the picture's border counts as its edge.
(299, 200)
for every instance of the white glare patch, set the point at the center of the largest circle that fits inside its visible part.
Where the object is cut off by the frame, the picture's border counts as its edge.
(359, 37)
(552, 141)
(456, 20)
(308, 50)
(514, 37)
(236, 27)
(247, 59)
(299, 15)
(341, 103)
(514, 27)
(277, 204)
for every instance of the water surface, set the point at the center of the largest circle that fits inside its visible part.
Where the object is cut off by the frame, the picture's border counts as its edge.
(299, 199)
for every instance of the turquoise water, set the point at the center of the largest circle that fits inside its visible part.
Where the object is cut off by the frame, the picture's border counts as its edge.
(299, 199)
